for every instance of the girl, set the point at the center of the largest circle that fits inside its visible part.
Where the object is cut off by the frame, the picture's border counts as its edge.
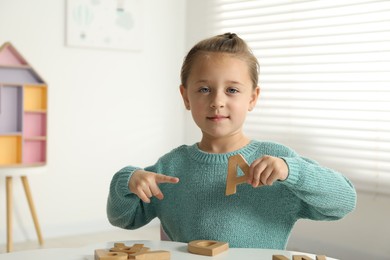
(219, 85)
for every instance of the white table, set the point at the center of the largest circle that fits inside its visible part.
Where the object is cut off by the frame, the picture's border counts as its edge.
(178, 252)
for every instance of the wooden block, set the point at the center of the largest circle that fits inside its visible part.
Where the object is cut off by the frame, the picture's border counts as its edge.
(320, 257)
(232, 180)
(136, 248)
(102, 254)
(151, 255)
(301, 257)
(207, 247)
(279, 257)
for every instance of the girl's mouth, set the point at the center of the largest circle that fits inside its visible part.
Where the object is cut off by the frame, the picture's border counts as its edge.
(217, 118)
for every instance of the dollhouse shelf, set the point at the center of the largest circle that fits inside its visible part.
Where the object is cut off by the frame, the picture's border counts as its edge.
(23, 111)
(23, 124)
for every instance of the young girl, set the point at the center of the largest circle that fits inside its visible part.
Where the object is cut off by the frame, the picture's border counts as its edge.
(219, 85)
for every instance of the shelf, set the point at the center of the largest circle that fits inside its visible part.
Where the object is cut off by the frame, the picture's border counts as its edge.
(11, 134)
(34, 124)
(10, 149)
(34, 151)
(35, 138)
(14, 66)
(35, 98)
(18, 75)
(18, 165)
(11, 100)
(23, 112)
(38, 111)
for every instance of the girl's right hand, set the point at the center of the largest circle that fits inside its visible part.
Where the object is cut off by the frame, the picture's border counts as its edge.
(145, 184)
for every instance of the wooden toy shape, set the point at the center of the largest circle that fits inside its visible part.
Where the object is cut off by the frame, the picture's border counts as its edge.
(101, 254)
(301, 257)
(298, 257)
(136, 248)
(207, 247)
(151, 255)
(279, 257)
(232, 180)
(136, 251)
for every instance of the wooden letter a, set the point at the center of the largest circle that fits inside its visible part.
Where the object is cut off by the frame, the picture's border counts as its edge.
(232, 180)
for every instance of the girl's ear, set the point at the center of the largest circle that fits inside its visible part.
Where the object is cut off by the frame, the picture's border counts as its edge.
(184, 95)
(254, 98)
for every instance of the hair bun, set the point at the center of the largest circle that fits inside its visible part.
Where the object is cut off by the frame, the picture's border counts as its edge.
(230, 35)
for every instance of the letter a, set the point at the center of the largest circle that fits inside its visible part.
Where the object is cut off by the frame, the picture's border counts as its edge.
(232, 180)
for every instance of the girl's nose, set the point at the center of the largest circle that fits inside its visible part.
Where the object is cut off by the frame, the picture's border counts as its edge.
(217, 101)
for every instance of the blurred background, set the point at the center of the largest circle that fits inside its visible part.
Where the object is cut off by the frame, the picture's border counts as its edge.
(325, 80)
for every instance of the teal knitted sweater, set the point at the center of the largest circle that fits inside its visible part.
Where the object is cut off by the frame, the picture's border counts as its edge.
(197, 208)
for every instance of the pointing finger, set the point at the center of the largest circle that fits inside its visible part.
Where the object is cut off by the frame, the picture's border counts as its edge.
(161, 178)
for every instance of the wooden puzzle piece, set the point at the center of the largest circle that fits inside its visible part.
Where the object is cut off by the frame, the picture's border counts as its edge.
(102, 254)
(298, 257)
(151, 255)
(207, 247)
(232, 180)
(136, 248)
(137, 251)
(301, 257)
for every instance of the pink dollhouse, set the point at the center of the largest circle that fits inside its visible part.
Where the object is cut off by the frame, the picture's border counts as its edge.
(23, 115)
(23, 111)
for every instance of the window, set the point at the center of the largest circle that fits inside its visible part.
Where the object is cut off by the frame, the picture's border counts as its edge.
(324, 77)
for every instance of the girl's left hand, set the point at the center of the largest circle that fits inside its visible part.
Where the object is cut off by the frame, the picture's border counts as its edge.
(266, 170)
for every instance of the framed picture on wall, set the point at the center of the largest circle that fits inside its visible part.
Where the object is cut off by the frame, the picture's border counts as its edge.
(111, 24)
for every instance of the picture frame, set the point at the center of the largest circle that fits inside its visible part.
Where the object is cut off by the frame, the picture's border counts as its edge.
(109, 24)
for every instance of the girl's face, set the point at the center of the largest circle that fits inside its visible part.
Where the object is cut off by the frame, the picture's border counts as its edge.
(219, 94)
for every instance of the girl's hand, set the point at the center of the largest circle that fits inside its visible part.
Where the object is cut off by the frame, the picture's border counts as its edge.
(266, 170)
(145, 184)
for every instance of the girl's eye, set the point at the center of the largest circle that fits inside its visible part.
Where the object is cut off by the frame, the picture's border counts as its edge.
(204, 90)
(232, 90)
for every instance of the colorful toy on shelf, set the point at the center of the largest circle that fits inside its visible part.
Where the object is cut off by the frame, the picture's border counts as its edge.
(137, 251)
(23, 111)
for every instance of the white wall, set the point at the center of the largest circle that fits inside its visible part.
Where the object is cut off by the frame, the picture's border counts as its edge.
(106, 109)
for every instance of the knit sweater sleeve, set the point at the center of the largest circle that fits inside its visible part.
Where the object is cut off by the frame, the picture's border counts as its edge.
(125, 209)
(325, 194)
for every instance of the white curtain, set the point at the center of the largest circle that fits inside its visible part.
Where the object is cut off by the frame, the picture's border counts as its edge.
(324, 78)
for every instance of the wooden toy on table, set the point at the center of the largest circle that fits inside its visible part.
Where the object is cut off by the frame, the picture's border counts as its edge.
(23, 122)
(279, 257)
(101, 254)
(232, 180)
(137, 251)
(304, 257)
(152, 255)
(136, 248)
(207, 247)
(301, 257)
(298, 257)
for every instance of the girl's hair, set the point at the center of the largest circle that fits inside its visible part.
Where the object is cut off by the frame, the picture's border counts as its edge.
(224, 43)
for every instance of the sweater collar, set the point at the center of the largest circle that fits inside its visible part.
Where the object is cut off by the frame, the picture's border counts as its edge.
(221, 158)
